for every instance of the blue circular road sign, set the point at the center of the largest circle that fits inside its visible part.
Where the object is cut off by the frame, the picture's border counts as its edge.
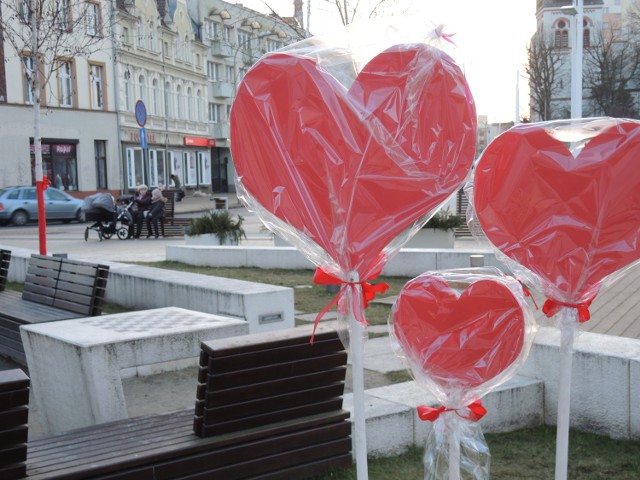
(141, 113)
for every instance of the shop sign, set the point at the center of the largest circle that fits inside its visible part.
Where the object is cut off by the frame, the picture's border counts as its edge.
(63, 148)
(199, 142)
(45, 148)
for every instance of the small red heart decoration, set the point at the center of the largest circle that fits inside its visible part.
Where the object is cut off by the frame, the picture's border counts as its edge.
(460, 343)
(351, 169)
(573, 221)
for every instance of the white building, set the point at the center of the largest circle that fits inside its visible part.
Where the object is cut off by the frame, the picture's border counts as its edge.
(555, 23)
(78, 120)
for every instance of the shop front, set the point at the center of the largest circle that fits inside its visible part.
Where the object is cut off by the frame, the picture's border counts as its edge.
(164, 155)
(59, 163)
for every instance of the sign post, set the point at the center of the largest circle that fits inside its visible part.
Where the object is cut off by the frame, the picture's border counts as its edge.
(141, 119)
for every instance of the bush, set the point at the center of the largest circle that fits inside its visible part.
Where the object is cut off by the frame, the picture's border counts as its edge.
(219, 222)
(443, 220)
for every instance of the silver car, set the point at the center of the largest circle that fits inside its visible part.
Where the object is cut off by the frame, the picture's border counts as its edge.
(18, 205)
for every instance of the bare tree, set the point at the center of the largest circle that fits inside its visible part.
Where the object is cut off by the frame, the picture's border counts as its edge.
(44, 35)
(612, 65)
(543, 69)
(350, 9)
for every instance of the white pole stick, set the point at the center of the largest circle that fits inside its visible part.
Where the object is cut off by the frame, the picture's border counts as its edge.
(357, 378)
(454, 448)
(568, 322)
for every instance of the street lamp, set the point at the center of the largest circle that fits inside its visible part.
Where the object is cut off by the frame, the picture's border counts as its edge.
(576, 11)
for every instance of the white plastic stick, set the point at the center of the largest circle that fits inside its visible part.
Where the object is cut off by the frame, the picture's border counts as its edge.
(454, 450)
(567, 323)
(357, 378)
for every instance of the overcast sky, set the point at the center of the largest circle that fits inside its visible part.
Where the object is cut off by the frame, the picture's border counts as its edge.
(491, 36)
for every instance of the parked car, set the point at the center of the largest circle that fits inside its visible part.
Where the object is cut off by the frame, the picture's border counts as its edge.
(18, 205)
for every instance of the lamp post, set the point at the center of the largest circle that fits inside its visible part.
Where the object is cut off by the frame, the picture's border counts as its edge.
(577, 12)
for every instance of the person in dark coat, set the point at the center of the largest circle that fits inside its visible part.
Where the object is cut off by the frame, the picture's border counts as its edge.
(156, 212)
(141, 204)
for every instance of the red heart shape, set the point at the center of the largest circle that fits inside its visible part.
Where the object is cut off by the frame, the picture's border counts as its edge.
(460, 343)
(351, 169)
(571, 221)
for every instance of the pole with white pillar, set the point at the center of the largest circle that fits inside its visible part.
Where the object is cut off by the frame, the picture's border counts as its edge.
(576, 60)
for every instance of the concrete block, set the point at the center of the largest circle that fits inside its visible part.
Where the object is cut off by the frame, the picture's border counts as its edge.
(634, 393)
(75, 365)
(264, 307)
(600, 386)
(389, 425)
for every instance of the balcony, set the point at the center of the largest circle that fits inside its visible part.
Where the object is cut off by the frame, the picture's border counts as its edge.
(220, 48)
(219, 130)
(222, 89)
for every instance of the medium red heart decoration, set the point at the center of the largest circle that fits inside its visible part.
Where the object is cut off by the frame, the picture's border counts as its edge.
(572, 219)
(459, 342)
(350, 169)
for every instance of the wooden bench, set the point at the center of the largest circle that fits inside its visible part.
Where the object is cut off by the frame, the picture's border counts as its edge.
(54, 289)
(5, 260)
(269, 406)
(172, 226)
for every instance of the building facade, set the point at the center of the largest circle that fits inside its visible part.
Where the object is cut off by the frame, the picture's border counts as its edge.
(77, 98)
(555, 24)
(153, 99)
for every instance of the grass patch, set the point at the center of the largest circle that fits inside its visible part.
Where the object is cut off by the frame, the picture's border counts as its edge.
(308, 297)
(525, 455)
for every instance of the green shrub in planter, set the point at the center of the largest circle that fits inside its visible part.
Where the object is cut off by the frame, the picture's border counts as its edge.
(443, 220)
(220, 223)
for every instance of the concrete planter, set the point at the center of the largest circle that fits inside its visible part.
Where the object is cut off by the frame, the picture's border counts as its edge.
(207, 239)
(432, 238)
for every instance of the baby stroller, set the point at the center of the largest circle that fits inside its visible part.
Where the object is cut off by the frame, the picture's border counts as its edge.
(108, 218)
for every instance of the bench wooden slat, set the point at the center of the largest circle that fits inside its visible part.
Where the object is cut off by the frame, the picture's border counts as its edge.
(5, 261)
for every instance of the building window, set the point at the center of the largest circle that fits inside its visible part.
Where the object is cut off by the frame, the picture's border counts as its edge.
(199, 112)
(187, 49)
(24, 12)
(176, 48)
(190, 104)
(140, 33)
(214, 113)
(27, 67)
(228, 111)
(141, 88)
(227, 34)
(561, 34)
(168, 100)
(204, 169)
(63, 15)
(179, 103)
(97, 87)
(244, 39)
(273, 45)
(212, 29)
(213, 71)
(65, 79)
(152, 37)
(229, 73)
(128, 90)
(93, 19)
(166, 50)
(126, 37)
(100, 147)
(155, 91)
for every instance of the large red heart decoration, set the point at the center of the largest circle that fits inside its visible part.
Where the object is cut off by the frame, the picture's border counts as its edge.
(351, 169)
(572, 220)
(460, 343)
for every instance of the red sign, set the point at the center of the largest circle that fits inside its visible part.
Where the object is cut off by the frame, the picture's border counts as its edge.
(199, 142)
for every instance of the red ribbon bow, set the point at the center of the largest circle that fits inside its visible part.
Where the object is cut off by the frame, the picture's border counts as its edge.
(551, 307)
(476, 412)
(369, 291)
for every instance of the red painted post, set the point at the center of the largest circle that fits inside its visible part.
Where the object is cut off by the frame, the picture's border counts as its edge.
(41, 186)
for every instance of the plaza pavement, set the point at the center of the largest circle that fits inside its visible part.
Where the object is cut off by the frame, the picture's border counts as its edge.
(614, 312)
